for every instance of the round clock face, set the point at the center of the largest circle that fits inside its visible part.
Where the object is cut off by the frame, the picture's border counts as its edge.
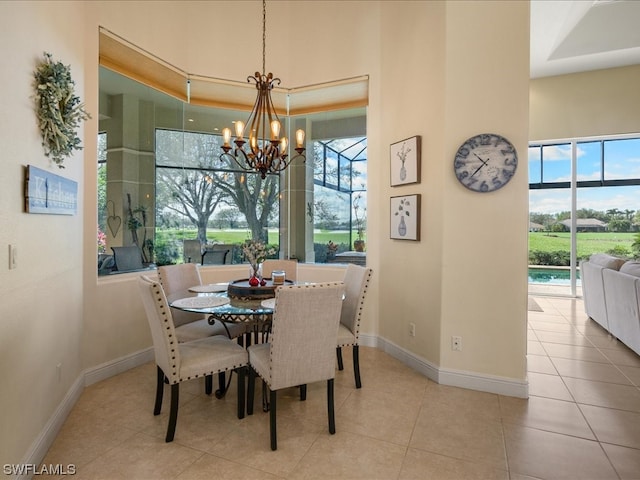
(485, 163)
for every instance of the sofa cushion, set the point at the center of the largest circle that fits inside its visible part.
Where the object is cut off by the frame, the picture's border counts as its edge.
(631, 268)
(607, 261)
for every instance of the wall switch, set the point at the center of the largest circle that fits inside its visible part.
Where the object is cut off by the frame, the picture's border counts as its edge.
(412, 329)
(13, 257)
(456, 343)
(59, 371)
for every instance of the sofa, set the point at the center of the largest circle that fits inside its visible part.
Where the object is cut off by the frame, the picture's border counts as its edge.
(611, 292)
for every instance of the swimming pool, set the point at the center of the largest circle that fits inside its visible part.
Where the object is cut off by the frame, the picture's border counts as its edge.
(551, 276)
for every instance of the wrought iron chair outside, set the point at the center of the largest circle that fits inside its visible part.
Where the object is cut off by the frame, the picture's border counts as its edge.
(178, 362)
(301, 346)
(356, 280)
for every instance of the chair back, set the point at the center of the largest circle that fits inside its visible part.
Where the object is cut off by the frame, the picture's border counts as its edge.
(178, 278)
(290, 268)
(165, 343)
(127, 258)
(192, 251)
(304, 333)
(356, 281)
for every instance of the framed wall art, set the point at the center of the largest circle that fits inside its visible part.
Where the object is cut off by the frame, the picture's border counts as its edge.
(404, 158)
(405, 217)
(46, 192)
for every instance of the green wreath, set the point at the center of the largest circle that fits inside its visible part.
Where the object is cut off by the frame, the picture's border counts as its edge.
(59, 110)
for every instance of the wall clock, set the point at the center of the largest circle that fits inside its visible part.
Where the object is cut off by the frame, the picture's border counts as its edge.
(485, 162)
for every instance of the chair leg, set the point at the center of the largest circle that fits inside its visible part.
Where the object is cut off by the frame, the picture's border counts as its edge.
(330, 407)
(173, 413)
(159, 390)
(303, 392)
(208, 384)
(241, 395)
(251, 387)
(339, 355)
(356, 365)
(222, 388)
(272, 420)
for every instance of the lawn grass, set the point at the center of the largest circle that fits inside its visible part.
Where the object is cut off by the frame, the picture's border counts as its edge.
(587, 242)
(239, 236)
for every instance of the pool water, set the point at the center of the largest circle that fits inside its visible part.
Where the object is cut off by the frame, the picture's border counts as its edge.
(552, 276)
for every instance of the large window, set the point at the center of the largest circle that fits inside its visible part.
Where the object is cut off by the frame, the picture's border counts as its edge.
(584, 198)
(164, 187)
(340, 196)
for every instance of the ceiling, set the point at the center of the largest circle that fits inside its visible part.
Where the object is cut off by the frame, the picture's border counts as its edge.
(577, 36)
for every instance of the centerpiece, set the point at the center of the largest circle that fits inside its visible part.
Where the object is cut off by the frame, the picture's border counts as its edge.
(256, 252)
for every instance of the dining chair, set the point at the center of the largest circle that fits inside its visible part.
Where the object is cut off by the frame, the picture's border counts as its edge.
(192, 326)
(178, 362)
(356, 280)
(290, 268)
(301, 346)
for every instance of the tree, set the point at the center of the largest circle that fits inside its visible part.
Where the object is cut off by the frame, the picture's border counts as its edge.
(254, 197)
(206, 182)
(192, 195)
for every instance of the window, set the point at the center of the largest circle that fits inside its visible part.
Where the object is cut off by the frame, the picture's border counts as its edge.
(166, 183)
(340, 196)
(584, 198)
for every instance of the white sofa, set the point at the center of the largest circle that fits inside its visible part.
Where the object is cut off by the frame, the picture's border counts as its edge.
(611, 291)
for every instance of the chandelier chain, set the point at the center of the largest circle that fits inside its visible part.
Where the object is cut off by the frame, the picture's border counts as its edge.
(264, 34)
(267, 153)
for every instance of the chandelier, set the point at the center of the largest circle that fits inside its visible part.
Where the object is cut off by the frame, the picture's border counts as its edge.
(267, 151)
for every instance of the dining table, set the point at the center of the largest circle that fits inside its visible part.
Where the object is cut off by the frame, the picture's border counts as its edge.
(242, 303)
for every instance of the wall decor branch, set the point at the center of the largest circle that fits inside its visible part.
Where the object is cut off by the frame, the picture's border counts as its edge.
(58, 108)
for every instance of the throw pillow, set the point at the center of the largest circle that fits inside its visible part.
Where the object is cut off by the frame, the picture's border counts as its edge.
(607, 261)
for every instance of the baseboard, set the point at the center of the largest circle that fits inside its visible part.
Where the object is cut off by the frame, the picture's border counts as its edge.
(43, 442)
(109, 369)
(509, 387)
(456, 378)
(45, 439)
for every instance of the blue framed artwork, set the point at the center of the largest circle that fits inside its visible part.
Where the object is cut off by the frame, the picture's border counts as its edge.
(47, 192)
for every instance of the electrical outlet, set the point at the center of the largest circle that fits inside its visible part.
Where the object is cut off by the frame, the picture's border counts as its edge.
(456, 343)
(412, 329)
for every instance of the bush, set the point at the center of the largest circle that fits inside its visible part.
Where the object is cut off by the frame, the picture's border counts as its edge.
(560, 258)
(619, 251)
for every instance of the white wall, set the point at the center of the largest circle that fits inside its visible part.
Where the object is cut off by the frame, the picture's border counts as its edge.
(425, 61)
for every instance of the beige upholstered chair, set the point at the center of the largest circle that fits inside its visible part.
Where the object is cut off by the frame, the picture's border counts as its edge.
(178, 362)
(301, 346)
(356, 280)
(191, 326)
(290, 268)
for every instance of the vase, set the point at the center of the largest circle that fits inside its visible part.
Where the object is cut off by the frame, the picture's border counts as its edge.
(402, 228)
(403, 173)
(255, 274)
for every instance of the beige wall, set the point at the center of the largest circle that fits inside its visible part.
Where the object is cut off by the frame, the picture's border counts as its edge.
(41, 321)
(434, 71)
(601, 102)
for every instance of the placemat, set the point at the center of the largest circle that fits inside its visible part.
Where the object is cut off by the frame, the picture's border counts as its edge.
(211, 288)
(200, 302)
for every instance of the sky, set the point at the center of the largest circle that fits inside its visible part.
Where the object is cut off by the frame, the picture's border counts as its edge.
(622, 161)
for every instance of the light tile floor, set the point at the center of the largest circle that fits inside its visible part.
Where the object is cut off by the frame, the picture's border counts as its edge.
(582, 421)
